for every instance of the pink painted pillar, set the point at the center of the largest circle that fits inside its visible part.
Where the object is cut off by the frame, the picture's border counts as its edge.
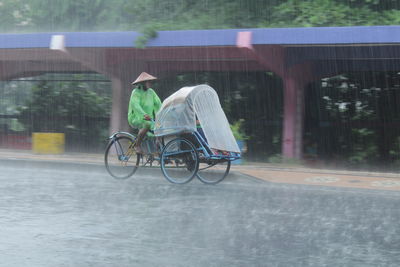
(115, 118)
(119, 109)
(293, 117)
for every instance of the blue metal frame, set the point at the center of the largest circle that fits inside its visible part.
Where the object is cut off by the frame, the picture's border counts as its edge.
(120, 153)
(206, 150)
(202, 146)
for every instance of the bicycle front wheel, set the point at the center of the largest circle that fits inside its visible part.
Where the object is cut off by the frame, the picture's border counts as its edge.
(179, 161)
(120, 158)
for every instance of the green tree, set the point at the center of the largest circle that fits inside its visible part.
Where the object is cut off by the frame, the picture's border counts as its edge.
(204, 14)
(188, 14)
(309, 13)
(12, 17)
(68, 107)
(355, 116)
(62, 15)
(139, 15)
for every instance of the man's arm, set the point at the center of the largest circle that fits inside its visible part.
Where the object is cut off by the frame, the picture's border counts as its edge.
(135, 105)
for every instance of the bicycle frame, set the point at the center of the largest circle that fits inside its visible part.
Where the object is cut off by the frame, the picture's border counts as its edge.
(203, 146)
(173, 154)
(146, 142)
(120, 153)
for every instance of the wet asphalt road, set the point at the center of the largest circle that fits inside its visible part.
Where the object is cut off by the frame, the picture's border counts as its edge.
(83, 217)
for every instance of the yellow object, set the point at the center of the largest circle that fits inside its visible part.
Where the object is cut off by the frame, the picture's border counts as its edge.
(48, 143)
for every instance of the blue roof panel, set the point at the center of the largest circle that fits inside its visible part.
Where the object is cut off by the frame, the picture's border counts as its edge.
(100, 39)
(195, 38)
(25, 40)
(227, 37)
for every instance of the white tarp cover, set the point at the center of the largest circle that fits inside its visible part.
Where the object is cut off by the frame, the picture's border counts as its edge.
(178, 114)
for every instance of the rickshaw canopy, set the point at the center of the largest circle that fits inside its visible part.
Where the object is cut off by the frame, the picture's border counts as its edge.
(178, 114)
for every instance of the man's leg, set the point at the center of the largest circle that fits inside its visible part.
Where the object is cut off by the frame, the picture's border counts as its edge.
(142, 133)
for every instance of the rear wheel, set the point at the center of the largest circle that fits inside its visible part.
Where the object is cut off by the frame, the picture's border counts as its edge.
(179, 161)
(213, 171)
(120, 158)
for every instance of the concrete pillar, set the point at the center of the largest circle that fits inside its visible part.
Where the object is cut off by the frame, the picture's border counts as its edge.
(293, 109)
(121, 92)
(116, 122)
(293, 119)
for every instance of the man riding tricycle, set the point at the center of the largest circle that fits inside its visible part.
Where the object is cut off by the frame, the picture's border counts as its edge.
(192, 137)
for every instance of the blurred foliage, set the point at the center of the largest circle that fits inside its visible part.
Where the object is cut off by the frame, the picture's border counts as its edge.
(62, 15)
(147, 33)
(311, 13)
(190, 14)
(354, 119)
(139, 15)
(69, 107)
(238, 130)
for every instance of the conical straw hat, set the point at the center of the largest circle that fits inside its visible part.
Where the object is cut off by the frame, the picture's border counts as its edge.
(144, 76)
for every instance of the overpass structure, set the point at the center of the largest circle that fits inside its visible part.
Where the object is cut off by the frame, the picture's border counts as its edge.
(298, 55)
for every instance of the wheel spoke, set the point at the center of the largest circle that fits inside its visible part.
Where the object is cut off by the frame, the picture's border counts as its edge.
(120, 158)
(179, 161)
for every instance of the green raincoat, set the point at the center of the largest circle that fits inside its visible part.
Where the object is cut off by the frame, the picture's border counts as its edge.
(143, 102)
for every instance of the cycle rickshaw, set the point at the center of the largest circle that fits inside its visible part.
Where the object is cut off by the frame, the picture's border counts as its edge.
(192, 137)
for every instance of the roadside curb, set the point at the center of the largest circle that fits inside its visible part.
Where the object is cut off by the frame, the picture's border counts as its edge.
(319, 171)
(52, 164)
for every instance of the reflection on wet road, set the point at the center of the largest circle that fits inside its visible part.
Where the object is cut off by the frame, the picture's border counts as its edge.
(60, 217)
